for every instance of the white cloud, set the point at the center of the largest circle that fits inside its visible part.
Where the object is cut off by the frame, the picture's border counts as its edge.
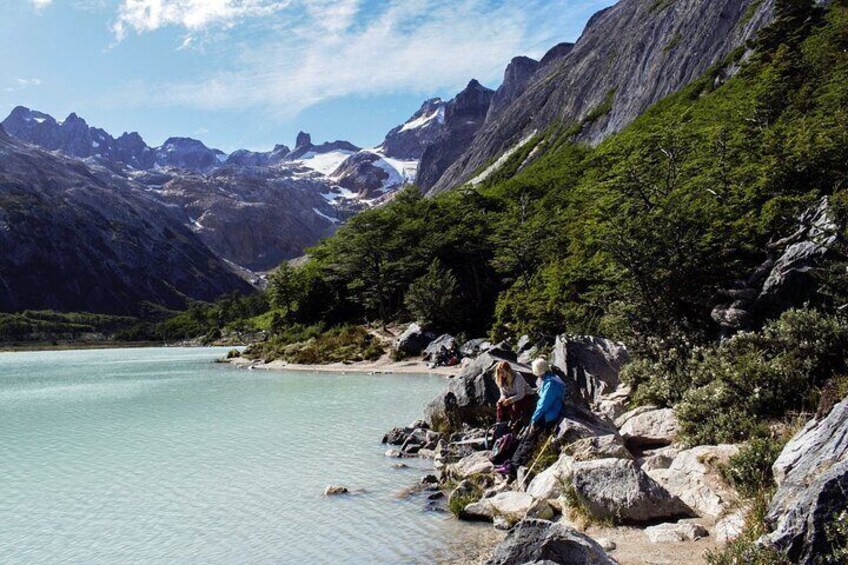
(41, 4)
(321, 52)
(317, 50)
(144, 16)
(22, 83)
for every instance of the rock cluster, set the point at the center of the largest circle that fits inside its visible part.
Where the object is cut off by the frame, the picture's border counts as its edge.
(628, 470)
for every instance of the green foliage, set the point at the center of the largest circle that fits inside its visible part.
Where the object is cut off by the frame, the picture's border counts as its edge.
(744, 549)
(309, 345)
(47, 326)
(754, 377)
(750, 470)
(433, 298)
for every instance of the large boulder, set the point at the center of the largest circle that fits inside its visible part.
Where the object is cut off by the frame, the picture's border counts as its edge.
(645, 429)
(413, 340)
(593, 364)
(548, 484)
(475, 464)
(474, 347)
(445, 341)
(618, 489)
(510, 505)
(471, 397)
(600, 447)
(538, 541)
(694, 477)
(579, 423)
(812, 474)
(614, 404)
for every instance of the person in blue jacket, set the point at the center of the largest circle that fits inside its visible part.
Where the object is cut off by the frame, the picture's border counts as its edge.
(549, 410)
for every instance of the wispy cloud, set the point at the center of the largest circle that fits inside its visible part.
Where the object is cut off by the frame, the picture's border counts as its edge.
(318, 50)
(41, 4)
(22, 83)
(144, 16)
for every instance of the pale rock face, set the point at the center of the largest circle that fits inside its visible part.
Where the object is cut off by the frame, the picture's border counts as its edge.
(730, 527)
(618, 489)
(675, 533)
(629, 41)
(549, 483)
(652, 428)
(511, 505)
(694, 477)
(474, 464)
(600, 447)
(812, 473)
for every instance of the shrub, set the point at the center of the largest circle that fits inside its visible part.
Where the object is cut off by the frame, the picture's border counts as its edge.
(750, 470)
(348, 343)
(724, 392)
(744, 549)
(433, 298)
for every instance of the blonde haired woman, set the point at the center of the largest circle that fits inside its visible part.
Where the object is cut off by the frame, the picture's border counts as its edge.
(516, 401)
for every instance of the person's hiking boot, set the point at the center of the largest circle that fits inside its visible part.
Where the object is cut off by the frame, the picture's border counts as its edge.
(505, 469)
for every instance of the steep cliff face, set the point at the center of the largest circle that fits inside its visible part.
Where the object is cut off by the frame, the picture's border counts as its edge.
(409, 140)
(70, 241)
(464, 115)
(629, 56)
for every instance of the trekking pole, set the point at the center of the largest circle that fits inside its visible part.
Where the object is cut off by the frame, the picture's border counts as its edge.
(533, 466)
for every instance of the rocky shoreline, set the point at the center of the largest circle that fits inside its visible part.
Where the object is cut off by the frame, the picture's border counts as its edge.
(619, 487)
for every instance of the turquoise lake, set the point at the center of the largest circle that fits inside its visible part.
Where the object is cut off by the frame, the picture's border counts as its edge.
(163, 456)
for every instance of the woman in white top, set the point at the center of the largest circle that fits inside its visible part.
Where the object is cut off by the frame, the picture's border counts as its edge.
(516, 401)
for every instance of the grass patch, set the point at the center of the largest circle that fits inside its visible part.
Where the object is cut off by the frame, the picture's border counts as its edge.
(309, 345)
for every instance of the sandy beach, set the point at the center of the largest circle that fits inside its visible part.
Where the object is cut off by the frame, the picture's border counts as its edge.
(384, 365)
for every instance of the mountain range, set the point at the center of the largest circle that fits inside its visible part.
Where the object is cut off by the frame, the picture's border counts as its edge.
(245, 212)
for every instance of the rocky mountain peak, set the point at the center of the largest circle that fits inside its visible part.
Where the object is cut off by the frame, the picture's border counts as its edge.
(638, 51)
(555, 53)
(518, 73)
(303, 140)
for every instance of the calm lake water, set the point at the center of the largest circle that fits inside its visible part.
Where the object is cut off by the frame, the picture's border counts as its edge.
(160, 455)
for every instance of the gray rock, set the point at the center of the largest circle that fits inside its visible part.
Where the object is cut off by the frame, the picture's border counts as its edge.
(600, 447)
(471, 397)
(580, 423)
(474, 347)
(541, 541)
(511, 505)
(335, 490)
(812, 473)
(445, 341)
(413, 340)
(675, 533)
(618, 489)
(549, 484)
(593, 364)
(648, 429)
(474, 464)
(730, 527)
(694, 477)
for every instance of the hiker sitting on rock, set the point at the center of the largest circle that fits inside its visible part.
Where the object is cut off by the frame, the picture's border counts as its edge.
(549, 409)
(516, 402)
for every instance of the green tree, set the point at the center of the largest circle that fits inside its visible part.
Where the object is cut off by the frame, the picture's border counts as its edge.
(433, 298)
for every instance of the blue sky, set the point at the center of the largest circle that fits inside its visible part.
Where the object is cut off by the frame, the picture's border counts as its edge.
(252, 73)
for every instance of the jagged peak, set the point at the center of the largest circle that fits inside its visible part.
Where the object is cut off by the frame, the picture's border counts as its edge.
(303, 140)
(558, 51)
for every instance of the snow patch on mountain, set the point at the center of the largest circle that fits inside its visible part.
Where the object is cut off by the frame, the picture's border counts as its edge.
(491, 169)
(438, 115)
(324, 163)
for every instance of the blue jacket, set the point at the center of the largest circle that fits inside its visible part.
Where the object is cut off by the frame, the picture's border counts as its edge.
(550, 403)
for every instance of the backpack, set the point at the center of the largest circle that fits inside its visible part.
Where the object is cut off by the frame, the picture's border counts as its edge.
(503, 449)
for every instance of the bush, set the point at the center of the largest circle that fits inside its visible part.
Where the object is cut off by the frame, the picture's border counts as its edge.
(433, 299)
(744, 549)
(750, 470)
(349, 343)
(724, 392)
